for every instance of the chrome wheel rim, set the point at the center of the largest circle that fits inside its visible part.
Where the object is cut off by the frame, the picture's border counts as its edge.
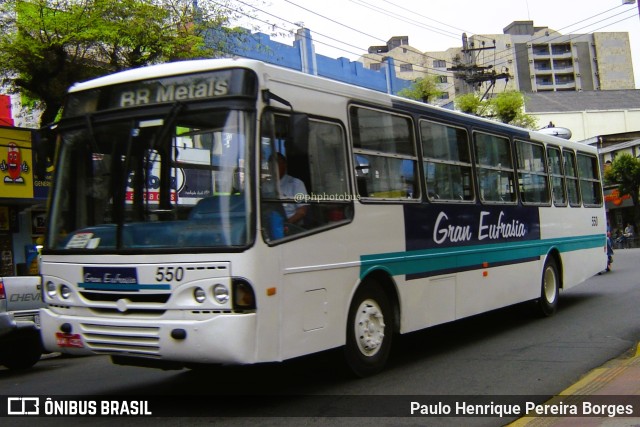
(550, 288)
(369, 327)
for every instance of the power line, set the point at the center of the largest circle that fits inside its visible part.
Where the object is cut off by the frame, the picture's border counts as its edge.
(399, 61)
(498, 55)
(361, 32)
(387, 12)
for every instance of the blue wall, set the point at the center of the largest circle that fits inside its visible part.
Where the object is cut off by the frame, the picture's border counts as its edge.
(301, 56)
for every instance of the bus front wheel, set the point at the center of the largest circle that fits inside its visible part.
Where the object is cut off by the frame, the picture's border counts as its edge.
(550, 290)
(369, 330)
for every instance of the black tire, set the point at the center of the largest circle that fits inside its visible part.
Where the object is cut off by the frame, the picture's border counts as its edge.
(369, 330)
(22, 353)
(550, 289)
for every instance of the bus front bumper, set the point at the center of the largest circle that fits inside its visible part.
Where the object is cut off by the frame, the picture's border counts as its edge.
(221, 339)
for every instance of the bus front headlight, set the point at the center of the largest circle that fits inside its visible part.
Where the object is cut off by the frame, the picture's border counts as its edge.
(51, 289)
(199, 295)
(220, 293)
(65, 291)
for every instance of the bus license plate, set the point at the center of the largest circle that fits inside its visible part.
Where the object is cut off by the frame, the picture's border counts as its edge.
(68, 340)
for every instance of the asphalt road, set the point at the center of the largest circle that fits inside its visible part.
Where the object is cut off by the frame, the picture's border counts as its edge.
(500, 354)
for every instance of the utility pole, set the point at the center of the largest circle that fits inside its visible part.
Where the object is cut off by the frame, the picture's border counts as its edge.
(473, 74)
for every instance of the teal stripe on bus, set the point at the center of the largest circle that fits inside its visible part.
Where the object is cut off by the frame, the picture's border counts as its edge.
(430, 262)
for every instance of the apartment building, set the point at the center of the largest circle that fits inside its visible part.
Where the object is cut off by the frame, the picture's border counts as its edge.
(537, 59)
(545, 60)
(410, 64)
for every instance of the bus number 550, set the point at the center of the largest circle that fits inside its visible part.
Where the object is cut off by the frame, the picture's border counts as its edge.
(168, 274)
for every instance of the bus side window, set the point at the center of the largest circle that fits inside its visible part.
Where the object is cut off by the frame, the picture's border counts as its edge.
(495, 168)
(571, 174)
(319, 161)
(384, 155)
(533, 180)
(447, 162)
(557, 176)
(589, 176)
(329, 192)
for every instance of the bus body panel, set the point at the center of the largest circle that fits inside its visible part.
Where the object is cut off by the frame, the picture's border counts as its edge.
(221, 339)
(580, 233)
(304, 286)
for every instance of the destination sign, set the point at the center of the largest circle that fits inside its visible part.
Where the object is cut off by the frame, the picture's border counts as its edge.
(186, 89)
(179, 88)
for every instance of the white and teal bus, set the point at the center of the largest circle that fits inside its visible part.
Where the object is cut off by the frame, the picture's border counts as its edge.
(171, 242)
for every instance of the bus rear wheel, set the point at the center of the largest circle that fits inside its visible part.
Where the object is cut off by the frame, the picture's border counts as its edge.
(369, 330)
(550, 289)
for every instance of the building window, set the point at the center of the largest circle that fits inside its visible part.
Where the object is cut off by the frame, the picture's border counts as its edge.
(443, 79)
(375, 66)
(439, 63)
(406, 67)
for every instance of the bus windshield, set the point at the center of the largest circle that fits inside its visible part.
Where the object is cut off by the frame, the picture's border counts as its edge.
(171, 181)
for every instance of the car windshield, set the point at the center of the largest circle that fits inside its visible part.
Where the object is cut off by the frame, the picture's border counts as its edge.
(172, 181)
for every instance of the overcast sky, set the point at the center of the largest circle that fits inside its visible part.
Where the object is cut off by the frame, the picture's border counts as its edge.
(346, 28)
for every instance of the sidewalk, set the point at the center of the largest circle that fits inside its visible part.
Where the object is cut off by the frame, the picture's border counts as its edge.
(617, 378)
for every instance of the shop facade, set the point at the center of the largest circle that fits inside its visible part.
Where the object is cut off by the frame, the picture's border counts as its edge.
(24, 188)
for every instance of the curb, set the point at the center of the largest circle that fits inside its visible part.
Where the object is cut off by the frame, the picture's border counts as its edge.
(611, 375)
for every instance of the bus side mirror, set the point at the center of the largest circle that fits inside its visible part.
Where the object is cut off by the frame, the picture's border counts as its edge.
(44, 151)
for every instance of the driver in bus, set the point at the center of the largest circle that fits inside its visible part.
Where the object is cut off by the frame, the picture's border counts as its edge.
(291, 188)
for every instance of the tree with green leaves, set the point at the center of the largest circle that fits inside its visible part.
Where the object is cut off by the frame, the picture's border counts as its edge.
(624, 172)
(507, 107)
(469, 103)
(48, 45)
(422, 89)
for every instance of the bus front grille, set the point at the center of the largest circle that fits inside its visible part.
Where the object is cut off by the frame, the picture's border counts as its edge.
(111, 339)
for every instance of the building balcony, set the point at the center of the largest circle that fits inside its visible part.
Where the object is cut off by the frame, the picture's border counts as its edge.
(541, 54)
(564, 69)
(544, 82)
(561, 54)
(565, 85)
